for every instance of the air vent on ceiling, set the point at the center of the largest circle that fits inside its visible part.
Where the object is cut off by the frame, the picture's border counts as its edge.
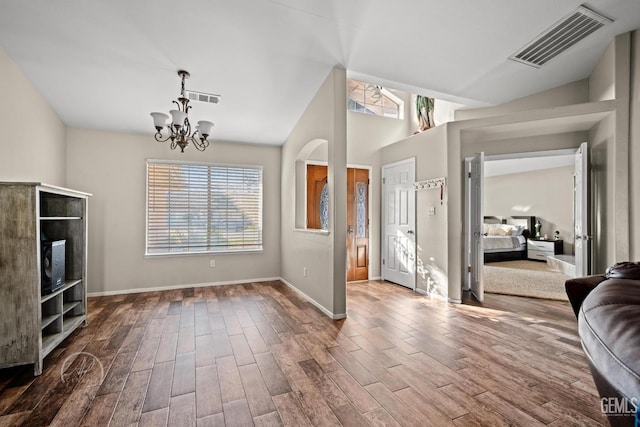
(560, 37)
(202, 97)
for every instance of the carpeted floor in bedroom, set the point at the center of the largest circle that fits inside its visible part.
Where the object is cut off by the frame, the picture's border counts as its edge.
(524, 278)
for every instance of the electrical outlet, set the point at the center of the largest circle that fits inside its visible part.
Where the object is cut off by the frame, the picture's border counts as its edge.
(304, 271)
(212, 263)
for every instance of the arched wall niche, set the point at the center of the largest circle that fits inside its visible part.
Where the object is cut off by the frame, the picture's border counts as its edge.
(313, 151)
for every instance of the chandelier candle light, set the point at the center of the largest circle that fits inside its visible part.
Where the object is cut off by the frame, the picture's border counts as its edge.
(180, 127)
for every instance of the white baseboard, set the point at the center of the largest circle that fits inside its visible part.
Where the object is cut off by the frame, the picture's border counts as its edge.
(375, 278)
(314, 302)
(174, 287)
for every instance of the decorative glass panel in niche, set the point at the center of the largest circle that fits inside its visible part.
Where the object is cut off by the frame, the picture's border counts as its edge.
(324, 208)
(361, 209)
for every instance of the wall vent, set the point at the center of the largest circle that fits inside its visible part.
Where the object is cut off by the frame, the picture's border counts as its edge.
(560, 37)
(202, 97)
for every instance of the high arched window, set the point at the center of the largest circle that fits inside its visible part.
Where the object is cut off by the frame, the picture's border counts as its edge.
(373, 99)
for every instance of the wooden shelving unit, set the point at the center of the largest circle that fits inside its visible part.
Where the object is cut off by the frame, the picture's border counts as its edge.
(33, 324)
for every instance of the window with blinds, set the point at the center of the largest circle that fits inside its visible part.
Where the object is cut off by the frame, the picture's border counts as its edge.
(195, 207)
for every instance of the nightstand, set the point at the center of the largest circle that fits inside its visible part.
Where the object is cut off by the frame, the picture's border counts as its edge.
(539, 250)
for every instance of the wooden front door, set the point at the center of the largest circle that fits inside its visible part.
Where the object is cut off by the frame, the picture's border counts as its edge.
(357, 224)
(357, 215)
(316, 187)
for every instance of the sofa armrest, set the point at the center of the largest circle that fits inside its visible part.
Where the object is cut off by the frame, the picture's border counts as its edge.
(578, 289)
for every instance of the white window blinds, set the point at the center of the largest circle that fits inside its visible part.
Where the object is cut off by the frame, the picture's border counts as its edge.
(194, 207)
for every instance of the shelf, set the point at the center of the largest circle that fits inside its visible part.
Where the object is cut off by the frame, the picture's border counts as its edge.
(66, 307)
(47, 320)
(67, 284)
(70, 323)
(50, 341)
(59, 218)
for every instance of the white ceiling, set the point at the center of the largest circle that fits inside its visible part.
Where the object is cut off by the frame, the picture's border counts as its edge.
(526, 164)
(106, 64)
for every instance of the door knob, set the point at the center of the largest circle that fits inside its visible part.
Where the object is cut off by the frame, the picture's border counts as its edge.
(410, 232)
(350, 229)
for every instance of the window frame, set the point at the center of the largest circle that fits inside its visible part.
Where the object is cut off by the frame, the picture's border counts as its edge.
(226, 250)
(385, 94)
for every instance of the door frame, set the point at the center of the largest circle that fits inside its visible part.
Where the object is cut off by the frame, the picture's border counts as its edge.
(466, 282)
(383, 216)
(583, 240)
(473, 243)
(369, 168)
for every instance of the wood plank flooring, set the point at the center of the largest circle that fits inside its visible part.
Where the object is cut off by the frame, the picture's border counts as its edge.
(258, 354)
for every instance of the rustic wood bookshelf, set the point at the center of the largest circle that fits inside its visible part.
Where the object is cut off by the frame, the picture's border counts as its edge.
(32, 323)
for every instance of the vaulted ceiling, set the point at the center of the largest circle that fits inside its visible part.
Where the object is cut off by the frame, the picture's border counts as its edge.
(107, 64)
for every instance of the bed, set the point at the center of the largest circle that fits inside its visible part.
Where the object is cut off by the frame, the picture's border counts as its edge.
(505, 238)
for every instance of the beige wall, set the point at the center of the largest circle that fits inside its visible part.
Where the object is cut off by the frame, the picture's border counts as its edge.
(611, 150)
(601, 140)
(33, 142)
(547, 194)
(602, 79)
(430, 150)
(323, 255)
(112, 166)
(569, 94)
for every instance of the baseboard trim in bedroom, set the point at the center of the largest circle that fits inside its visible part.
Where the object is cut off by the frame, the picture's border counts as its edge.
(185, 286)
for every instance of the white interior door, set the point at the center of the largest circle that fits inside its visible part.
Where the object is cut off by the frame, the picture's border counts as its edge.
(399, 219)
(581, 211)
(475, 184)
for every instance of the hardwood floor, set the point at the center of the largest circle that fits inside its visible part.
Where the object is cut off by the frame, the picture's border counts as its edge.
(259, 354)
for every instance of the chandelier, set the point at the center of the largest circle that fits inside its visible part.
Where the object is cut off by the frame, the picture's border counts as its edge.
(180, 128)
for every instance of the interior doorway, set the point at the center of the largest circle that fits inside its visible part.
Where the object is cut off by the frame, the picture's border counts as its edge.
(538, 249)
(357, 214)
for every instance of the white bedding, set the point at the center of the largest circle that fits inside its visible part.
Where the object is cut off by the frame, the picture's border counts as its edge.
(504, 243)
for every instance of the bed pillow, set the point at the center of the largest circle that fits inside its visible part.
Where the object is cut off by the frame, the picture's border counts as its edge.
(517, 230)
(500, 230)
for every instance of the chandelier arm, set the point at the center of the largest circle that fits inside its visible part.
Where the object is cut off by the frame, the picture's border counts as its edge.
(200, 144)
(158, 137)
(187, 127)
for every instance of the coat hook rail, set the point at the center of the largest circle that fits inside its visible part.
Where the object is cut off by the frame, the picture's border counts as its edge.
(429, 184)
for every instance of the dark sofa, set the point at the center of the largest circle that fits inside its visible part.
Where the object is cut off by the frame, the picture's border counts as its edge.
(608, 312)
